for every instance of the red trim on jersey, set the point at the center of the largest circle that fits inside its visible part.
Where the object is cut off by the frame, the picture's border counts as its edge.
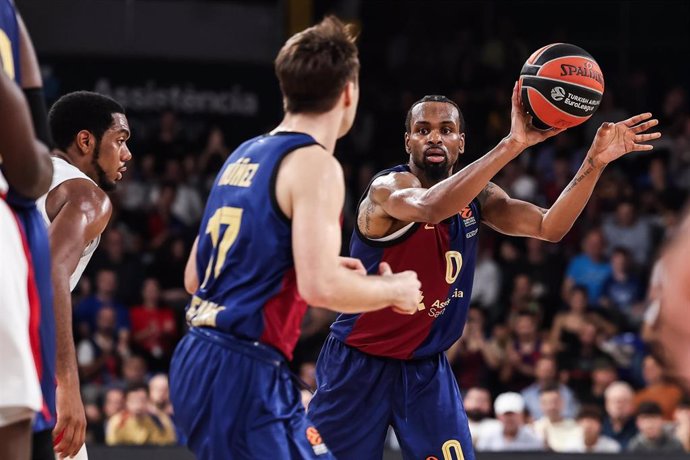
(390, 334)
(34, 304)
(283, 315)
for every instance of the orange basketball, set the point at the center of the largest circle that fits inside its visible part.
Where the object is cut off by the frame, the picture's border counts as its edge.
(561, 86)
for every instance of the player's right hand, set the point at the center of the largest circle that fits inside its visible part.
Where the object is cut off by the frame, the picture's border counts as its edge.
(406, 289)
(522, 132)
(70, 430)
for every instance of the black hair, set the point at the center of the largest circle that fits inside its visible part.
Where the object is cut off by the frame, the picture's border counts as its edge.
(649, 408)
(81, 110)
(590, 411)
(134, 387)
(433, 98)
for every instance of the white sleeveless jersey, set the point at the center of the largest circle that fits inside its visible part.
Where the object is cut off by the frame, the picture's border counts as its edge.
(62, 172)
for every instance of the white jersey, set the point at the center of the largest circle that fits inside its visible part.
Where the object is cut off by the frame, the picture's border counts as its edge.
(62, 172)
(20, 392)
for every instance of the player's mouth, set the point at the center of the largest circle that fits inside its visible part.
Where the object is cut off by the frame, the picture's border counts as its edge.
(435, 155)
(120, 172)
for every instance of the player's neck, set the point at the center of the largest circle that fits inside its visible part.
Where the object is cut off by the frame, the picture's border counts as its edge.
(426, 181)
(319, 126)
(76, 160)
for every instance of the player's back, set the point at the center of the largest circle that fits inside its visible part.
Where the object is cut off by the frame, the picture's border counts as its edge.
(248, 286)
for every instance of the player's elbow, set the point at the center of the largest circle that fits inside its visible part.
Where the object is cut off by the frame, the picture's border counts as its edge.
(552, 236)
(317, 291)
(191, 283)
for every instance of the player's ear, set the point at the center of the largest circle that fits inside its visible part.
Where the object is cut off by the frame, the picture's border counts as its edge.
(461, 145)
(349, 93)
(85, 142)
(407, 143)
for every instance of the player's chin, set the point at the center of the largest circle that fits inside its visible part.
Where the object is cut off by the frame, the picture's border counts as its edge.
(109, 185)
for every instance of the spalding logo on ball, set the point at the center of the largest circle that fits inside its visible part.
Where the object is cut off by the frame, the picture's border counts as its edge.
(561, 86)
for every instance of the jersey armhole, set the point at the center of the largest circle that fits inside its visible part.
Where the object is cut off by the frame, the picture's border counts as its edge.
(274, 178)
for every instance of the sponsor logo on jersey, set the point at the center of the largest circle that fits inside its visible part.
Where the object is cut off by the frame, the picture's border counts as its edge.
(467, 216)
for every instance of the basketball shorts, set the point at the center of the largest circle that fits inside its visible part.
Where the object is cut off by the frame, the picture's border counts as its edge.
(359, 396)
(18, 373)
(235, 399)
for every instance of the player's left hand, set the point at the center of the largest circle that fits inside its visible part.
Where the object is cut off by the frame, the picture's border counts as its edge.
(353, 264)
(70, 430)
(522, 132)
(613, 140)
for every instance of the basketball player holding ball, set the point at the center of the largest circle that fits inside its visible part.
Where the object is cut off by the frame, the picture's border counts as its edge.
(378, 369)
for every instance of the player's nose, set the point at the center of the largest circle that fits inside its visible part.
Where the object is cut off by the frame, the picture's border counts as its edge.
(126, 155)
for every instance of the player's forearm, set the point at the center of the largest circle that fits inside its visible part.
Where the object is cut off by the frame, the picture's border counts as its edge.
(67, 371)
(349, 292)
(560, 218)
(450, 196)
(26, 161)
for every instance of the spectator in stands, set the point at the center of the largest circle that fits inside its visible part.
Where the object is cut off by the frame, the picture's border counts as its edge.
(658, 388)
(116, 256)
(630, 231)
(522, 353)
(154, 329)
(682, 419)
(578, 365)
(113, 402)
(512, 434)
(546, 271)
(604, 373)
(487, 280)
(546, 373)
(555, 430)
(652, 437)
(619, 423)
(477, 404)
(159, 394)
(590, 439)
(136, 425)
(87, 310)
(623, 291)
(98, 358)
(134, 370)
(472, 356)
(590, 269)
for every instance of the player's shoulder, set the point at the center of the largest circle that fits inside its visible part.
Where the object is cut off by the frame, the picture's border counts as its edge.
(311, 162)
(389, 182)
(83, 194)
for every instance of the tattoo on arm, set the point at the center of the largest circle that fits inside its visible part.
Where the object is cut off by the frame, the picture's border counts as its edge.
(581, 177)
(367, 215)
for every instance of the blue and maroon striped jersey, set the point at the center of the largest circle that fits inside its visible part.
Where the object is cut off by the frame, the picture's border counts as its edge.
(443, 255)
(248, 286)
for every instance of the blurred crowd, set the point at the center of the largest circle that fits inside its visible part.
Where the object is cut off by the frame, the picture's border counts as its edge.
(559, 348)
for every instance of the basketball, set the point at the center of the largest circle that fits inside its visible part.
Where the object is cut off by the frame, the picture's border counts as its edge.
(561, 86)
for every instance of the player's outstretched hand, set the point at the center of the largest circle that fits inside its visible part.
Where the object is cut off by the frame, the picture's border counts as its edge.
(613, 140)
(521, 130)
(70, 430)
(406, 287)
(353, 264)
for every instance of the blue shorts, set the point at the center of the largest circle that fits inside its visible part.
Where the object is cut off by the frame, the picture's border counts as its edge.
(235, 399)
(360, 395)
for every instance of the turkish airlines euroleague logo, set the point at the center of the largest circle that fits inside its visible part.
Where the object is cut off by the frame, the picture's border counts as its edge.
(314, 438)
(467, 216)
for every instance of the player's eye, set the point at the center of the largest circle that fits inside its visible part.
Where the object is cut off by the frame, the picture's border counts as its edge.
(423, 131)
(446, 131)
